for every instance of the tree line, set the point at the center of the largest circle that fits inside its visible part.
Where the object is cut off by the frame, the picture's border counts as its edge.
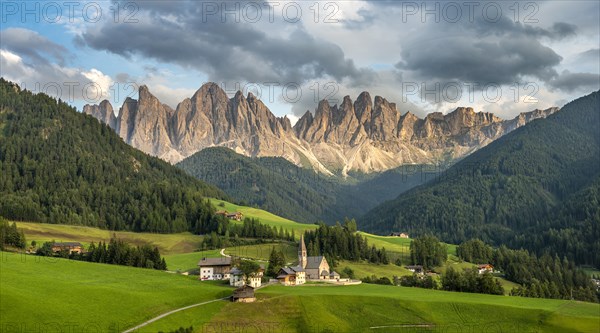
(227, 234)
(10, 235)
(545, 276)
(342, 242)
(116, 252)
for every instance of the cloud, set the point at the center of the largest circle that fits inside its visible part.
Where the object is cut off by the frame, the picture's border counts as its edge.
(67, 83)
(461, 59)
(32, 45)
(226, 51)
(571, 82)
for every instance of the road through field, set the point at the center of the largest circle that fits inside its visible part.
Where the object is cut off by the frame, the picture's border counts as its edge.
(172, 312)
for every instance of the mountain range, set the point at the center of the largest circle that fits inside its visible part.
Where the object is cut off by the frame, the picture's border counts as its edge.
(365, 135)
(536, 188)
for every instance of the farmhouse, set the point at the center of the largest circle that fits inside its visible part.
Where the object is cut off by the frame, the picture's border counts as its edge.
(485, 268)
(243, 294)
(415, 269)
(235, 216)
(72, 247)
(399, 234)
(291, 276)
(238, 279)
(238, 216)
(215, 268)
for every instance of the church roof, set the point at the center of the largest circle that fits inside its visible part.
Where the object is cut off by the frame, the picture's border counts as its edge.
(314, 262)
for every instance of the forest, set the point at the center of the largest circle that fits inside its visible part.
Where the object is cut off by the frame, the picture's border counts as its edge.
(537, 187)
(545, 276)
(60, 166)
(278, 186)
(341, 241)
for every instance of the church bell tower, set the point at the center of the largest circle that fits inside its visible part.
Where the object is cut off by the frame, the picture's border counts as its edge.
(302, 253)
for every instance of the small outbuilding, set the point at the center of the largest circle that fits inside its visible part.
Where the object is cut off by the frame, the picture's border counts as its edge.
(243, 294)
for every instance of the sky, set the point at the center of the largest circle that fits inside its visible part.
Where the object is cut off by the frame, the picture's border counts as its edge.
(435, 56)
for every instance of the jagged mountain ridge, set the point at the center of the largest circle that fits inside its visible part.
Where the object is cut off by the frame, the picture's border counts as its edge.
(366, 135)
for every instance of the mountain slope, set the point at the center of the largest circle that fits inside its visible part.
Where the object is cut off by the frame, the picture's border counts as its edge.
(367, 135)
(518, 190)
(279, 186)
(61, 166)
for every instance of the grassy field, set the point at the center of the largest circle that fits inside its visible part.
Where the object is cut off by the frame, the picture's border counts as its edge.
(264, 217)
(188, 261)
(167, 243)
(374, 308)
(49, 293)
(364, 269)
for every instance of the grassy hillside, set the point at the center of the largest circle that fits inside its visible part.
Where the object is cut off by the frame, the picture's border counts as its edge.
(264, 216)
(95, 297)
(112, 298)
(166, 243)
(538, 187)
(373, 308)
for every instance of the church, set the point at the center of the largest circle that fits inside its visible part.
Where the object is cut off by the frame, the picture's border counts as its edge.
(309, 268)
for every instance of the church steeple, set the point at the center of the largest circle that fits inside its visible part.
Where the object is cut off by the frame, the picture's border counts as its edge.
(302, 252)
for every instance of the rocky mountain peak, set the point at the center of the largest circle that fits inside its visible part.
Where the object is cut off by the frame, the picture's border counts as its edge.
(364, 135)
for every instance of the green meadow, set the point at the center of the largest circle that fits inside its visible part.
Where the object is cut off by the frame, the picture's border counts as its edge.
(375, 308)
(45, 293)
(264, 217)
(167, 243)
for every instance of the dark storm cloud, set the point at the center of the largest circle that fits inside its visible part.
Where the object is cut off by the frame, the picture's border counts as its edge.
(571, 82)
(33, 46)
(463, 59)
(225, 51)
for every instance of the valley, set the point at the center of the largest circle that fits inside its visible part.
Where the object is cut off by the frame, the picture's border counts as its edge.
(299, 167)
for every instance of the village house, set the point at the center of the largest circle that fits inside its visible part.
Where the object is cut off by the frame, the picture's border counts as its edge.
(415, 269)
(243, 294)
(238, 216)
(238, 279)
(215, 268)
(399, 234)
(291, 276)
(485, 268)
(235, 216)
(72, 247)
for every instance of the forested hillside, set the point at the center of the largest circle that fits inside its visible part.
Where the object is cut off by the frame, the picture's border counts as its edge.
(61, 166)
(279, 186)
(537, 187)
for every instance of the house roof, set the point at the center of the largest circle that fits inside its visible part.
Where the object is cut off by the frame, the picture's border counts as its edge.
(414, 267)
(484, 266)
(222, 261)
(244, 292)
(334, 273)
(297, 268)
(67, 244)
(324, 273)
(314, 262)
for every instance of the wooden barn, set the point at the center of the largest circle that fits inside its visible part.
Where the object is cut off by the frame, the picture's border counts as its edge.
(243, 294)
